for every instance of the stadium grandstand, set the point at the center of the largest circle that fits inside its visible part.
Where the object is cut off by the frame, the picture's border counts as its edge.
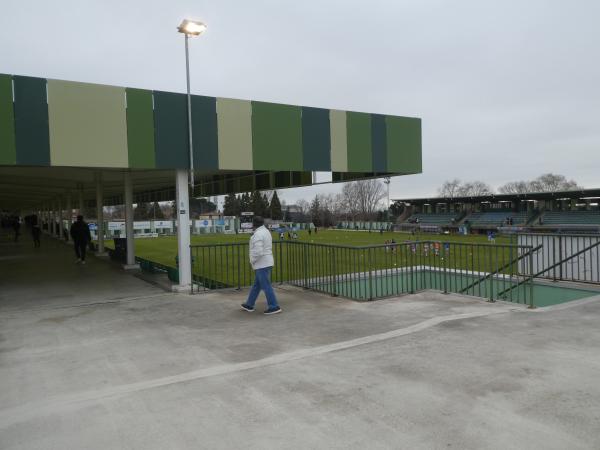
(572, 211)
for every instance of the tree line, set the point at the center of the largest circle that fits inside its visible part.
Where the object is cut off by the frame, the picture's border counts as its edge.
(547, 182)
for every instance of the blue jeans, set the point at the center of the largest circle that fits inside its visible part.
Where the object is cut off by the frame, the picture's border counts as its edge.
(262, 281)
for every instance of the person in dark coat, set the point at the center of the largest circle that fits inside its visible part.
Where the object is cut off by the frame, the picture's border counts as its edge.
(81, 235)
(35, 232)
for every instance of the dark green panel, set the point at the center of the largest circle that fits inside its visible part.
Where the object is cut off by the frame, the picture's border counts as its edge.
(8, 147)
(404, 144)
(204, 127)
(31, 121)
(360, 156)
(171, 131)
(140, 129)
(379, 142)
(276, 137)
(316, 139)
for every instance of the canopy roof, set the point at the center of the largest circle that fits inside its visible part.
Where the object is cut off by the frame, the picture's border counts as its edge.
(239, 145)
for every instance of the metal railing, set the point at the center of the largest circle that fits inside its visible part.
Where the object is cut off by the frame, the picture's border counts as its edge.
(492, 271)
(564, 257)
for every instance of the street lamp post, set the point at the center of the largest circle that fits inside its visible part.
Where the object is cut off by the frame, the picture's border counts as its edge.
(190, 28)
(387, 181)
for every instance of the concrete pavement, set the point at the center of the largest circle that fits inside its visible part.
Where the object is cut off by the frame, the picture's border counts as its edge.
(98, 359)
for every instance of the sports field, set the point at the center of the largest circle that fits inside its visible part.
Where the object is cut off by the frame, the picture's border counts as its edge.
(163, 250)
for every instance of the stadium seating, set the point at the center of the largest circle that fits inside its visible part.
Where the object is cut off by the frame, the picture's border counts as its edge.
(441, 219)
(491, 219)
(571, 218)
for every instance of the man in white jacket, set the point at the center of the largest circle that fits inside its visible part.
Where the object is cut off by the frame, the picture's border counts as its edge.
(261, 259)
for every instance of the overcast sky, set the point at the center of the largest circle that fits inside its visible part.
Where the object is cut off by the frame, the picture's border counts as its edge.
(506, 89)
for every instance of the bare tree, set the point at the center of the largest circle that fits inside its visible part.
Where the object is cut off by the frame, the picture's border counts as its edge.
(362, 198)
(547, 182)
(474, 189)
(550, 182)
(303, 207)
(514, 187)
(450, 188)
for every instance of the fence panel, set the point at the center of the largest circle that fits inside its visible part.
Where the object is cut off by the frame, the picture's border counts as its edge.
(491, 271)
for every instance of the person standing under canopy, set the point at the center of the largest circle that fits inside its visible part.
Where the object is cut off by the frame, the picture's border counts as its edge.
(80, 232)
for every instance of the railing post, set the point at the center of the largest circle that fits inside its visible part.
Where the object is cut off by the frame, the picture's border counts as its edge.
(305, 265)
(560, 267)
(531, 303)
(442, 251)
(280, 262)
(334, 277)
(239, 266)
(411, 262)
(370, 275)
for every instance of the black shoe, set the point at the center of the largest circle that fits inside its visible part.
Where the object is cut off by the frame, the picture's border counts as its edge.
(247, 308)
(275, 310)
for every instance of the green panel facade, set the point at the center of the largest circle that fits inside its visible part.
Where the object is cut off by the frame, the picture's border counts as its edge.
(379, 142)
(60, 123)
(171, 130)
(204, 128)
(140, 129)
(276, 137)
(31, 121)
(316, 139)
(404, 144)
(360, 155)
(8, 146)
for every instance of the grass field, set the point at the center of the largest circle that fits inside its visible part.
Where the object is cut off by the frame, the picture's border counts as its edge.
(163, 250)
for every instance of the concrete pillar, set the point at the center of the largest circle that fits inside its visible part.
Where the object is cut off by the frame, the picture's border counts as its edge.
(100, 214)
(69, 213)
(81, 203)
(60, 218)
(130, 262)
(183, 232)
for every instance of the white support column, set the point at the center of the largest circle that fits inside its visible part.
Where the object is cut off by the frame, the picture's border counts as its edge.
(81, 203)
(51, 218)
(60, 218)
(130, 261)
(100, 215)
(183, 232)
(69, 213)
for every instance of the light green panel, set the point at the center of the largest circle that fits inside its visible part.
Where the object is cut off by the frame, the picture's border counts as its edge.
(404, 144)
(339, 141)
(88, 125)
(234, 130)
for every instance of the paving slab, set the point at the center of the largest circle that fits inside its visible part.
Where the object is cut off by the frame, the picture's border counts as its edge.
(134, 367)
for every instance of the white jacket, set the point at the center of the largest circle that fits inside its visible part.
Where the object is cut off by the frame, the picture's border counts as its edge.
(261, 249)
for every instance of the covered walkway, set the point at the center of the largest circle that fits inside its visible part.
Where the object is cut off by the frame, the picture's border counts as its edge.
(92, 357)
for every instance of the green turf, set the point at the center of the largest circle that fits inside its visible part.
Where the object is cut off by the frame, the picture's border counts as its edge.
(164, 249)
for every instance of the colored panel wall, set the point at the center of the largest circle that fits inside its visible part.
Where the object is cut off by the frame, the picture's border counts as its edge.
(8, 146)
(140, 129)
(171, 131)
(404, 145)
(204, 127)
(31, 121)
(339, 140)
(234, 129)
(276, 136)
(360, 156)
(316, 141)
(379, 142)
(87, 125)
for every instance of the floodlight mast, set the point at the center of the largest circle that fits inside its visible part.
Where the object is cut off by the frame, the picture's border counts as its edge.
(190, 28)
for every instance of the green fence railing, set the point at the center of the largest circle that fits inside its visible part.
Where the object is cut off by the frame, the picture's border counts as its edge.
(492, 271)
